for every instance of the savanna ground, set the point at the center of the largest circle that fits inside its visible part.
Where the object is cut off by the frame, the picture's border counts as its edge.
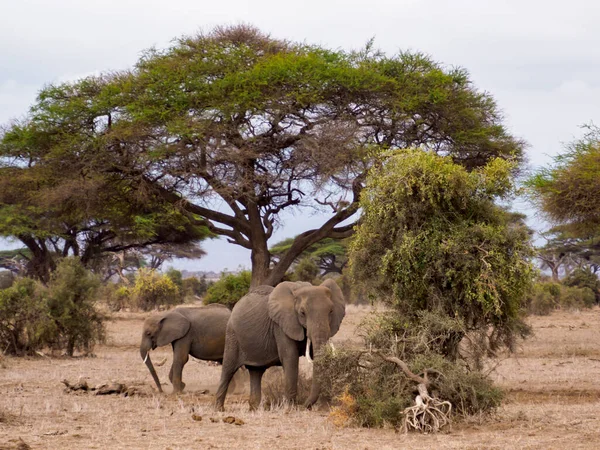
(553, 385)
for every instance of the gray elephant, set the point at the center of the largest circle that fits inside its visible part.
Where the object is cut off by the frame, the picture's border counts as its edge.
(199, 332)
(275, 326)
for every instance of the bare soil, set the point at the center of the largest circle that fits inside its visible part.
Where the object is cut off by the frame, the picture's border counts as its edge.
(553, 385)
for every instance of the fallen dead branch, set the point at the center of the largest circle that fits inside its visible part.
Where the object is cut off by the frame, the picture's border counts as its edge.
(429, 414)
(111, 388)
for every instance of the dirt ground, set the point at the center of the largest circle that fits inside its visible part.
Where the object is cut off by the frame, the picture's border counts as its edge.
(553, 385)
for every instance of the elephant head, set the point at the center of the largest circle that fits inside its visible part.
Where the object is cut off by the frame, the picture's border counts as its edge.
(306, 311)
(159, 331)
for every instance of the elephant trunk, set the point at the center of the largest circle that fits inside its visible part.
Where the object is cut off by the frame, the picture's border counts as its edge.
(144, 352)
(318, 342)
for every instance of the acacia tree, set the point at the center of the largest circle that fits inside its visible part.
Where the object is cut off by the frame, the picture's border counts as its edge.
(568, 193)
(234, 127)
(56, 203)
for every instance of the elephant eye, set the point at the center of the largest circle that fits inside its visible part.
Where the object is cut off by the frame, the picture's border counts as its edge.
(302, 312)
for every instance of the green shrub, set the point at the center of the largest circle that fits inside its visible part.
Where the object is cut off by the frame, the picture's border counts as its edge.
(116, 296)
(305, 270)
(371, 392)
(584, 278)
(544, 298)
(71, 297)
(195, 286)
(152, 289)
(229, 289)
(176, 277)
(577, 298)
(61, 316)
(25, 324)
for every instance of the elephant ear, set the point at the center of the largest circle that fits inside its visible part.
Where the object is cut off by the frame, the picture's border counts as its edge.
(339, 305)
(173, 326)
(282, 311)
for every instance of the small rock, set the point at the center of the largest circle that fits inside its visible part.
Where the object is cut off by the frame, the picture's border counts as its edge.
(197, 417)
(214, 420)
(233, 420)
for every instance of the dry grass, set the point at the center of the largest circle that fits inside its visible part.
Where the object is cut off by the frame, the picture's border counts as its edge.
(553, 401)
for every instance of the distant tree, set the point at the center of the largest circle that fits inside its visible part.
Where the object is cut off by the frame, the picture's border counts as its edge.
(175, 276)
(329, 255)
(229, 289)
(305, 270)
(584, 278)
(59, 196)
(568, 191)
(195, 286)
(229, 129)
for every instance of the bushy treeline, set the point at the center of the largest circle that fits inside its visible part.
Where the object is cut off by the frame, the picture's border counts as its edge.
(578, 290)
(150, 289)
(61, 315)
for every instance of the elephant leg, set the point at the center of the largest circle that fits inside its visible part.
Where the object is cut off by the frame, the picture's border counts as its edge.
(181, 350)
(256, 375)
(289, 357)
(230, 366)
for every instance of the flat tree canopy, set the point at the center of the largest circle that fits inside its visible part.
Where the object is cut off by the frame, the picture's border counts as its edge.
(568, 191)
(232, 127)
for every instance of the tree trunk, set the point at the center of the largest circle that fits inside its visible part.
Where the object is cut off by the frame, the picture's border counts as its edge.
(41, 263)
(260, 267)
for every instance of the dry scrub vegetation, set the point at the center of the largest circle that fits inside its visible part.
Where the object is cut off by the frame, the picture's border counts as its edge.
(553, 400)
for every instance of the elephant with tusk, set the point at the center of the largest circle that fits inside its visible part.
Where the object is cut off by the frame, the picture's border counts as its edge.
(199, 332)
(275, 326)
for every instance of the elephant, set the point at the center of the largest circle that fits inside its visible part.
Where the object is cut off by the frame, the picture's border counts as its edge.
(274, 327)
(199, 332)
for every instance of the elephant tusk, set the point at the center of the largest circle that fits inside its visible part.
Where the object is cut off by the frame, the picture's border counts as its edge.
(308, 358)
(146, 358)
(332, 347)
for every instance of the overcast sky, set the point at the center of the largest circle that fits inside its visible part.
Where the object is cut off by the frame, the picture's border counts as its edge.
(539, 59)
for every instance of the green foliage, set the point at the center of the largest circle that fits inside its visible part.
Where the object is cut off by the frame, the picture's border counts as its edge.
(568, 191)
(175, 276)
(61, 315)
(153, 289)
(584, 278)
(546, 296)
(229, 289)
(432, 239)
(329, 255)
(116, 296)
(577, 298)
(71, 297)
(195, 286)
(305, 270)
(24, 322)
(371, 392)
